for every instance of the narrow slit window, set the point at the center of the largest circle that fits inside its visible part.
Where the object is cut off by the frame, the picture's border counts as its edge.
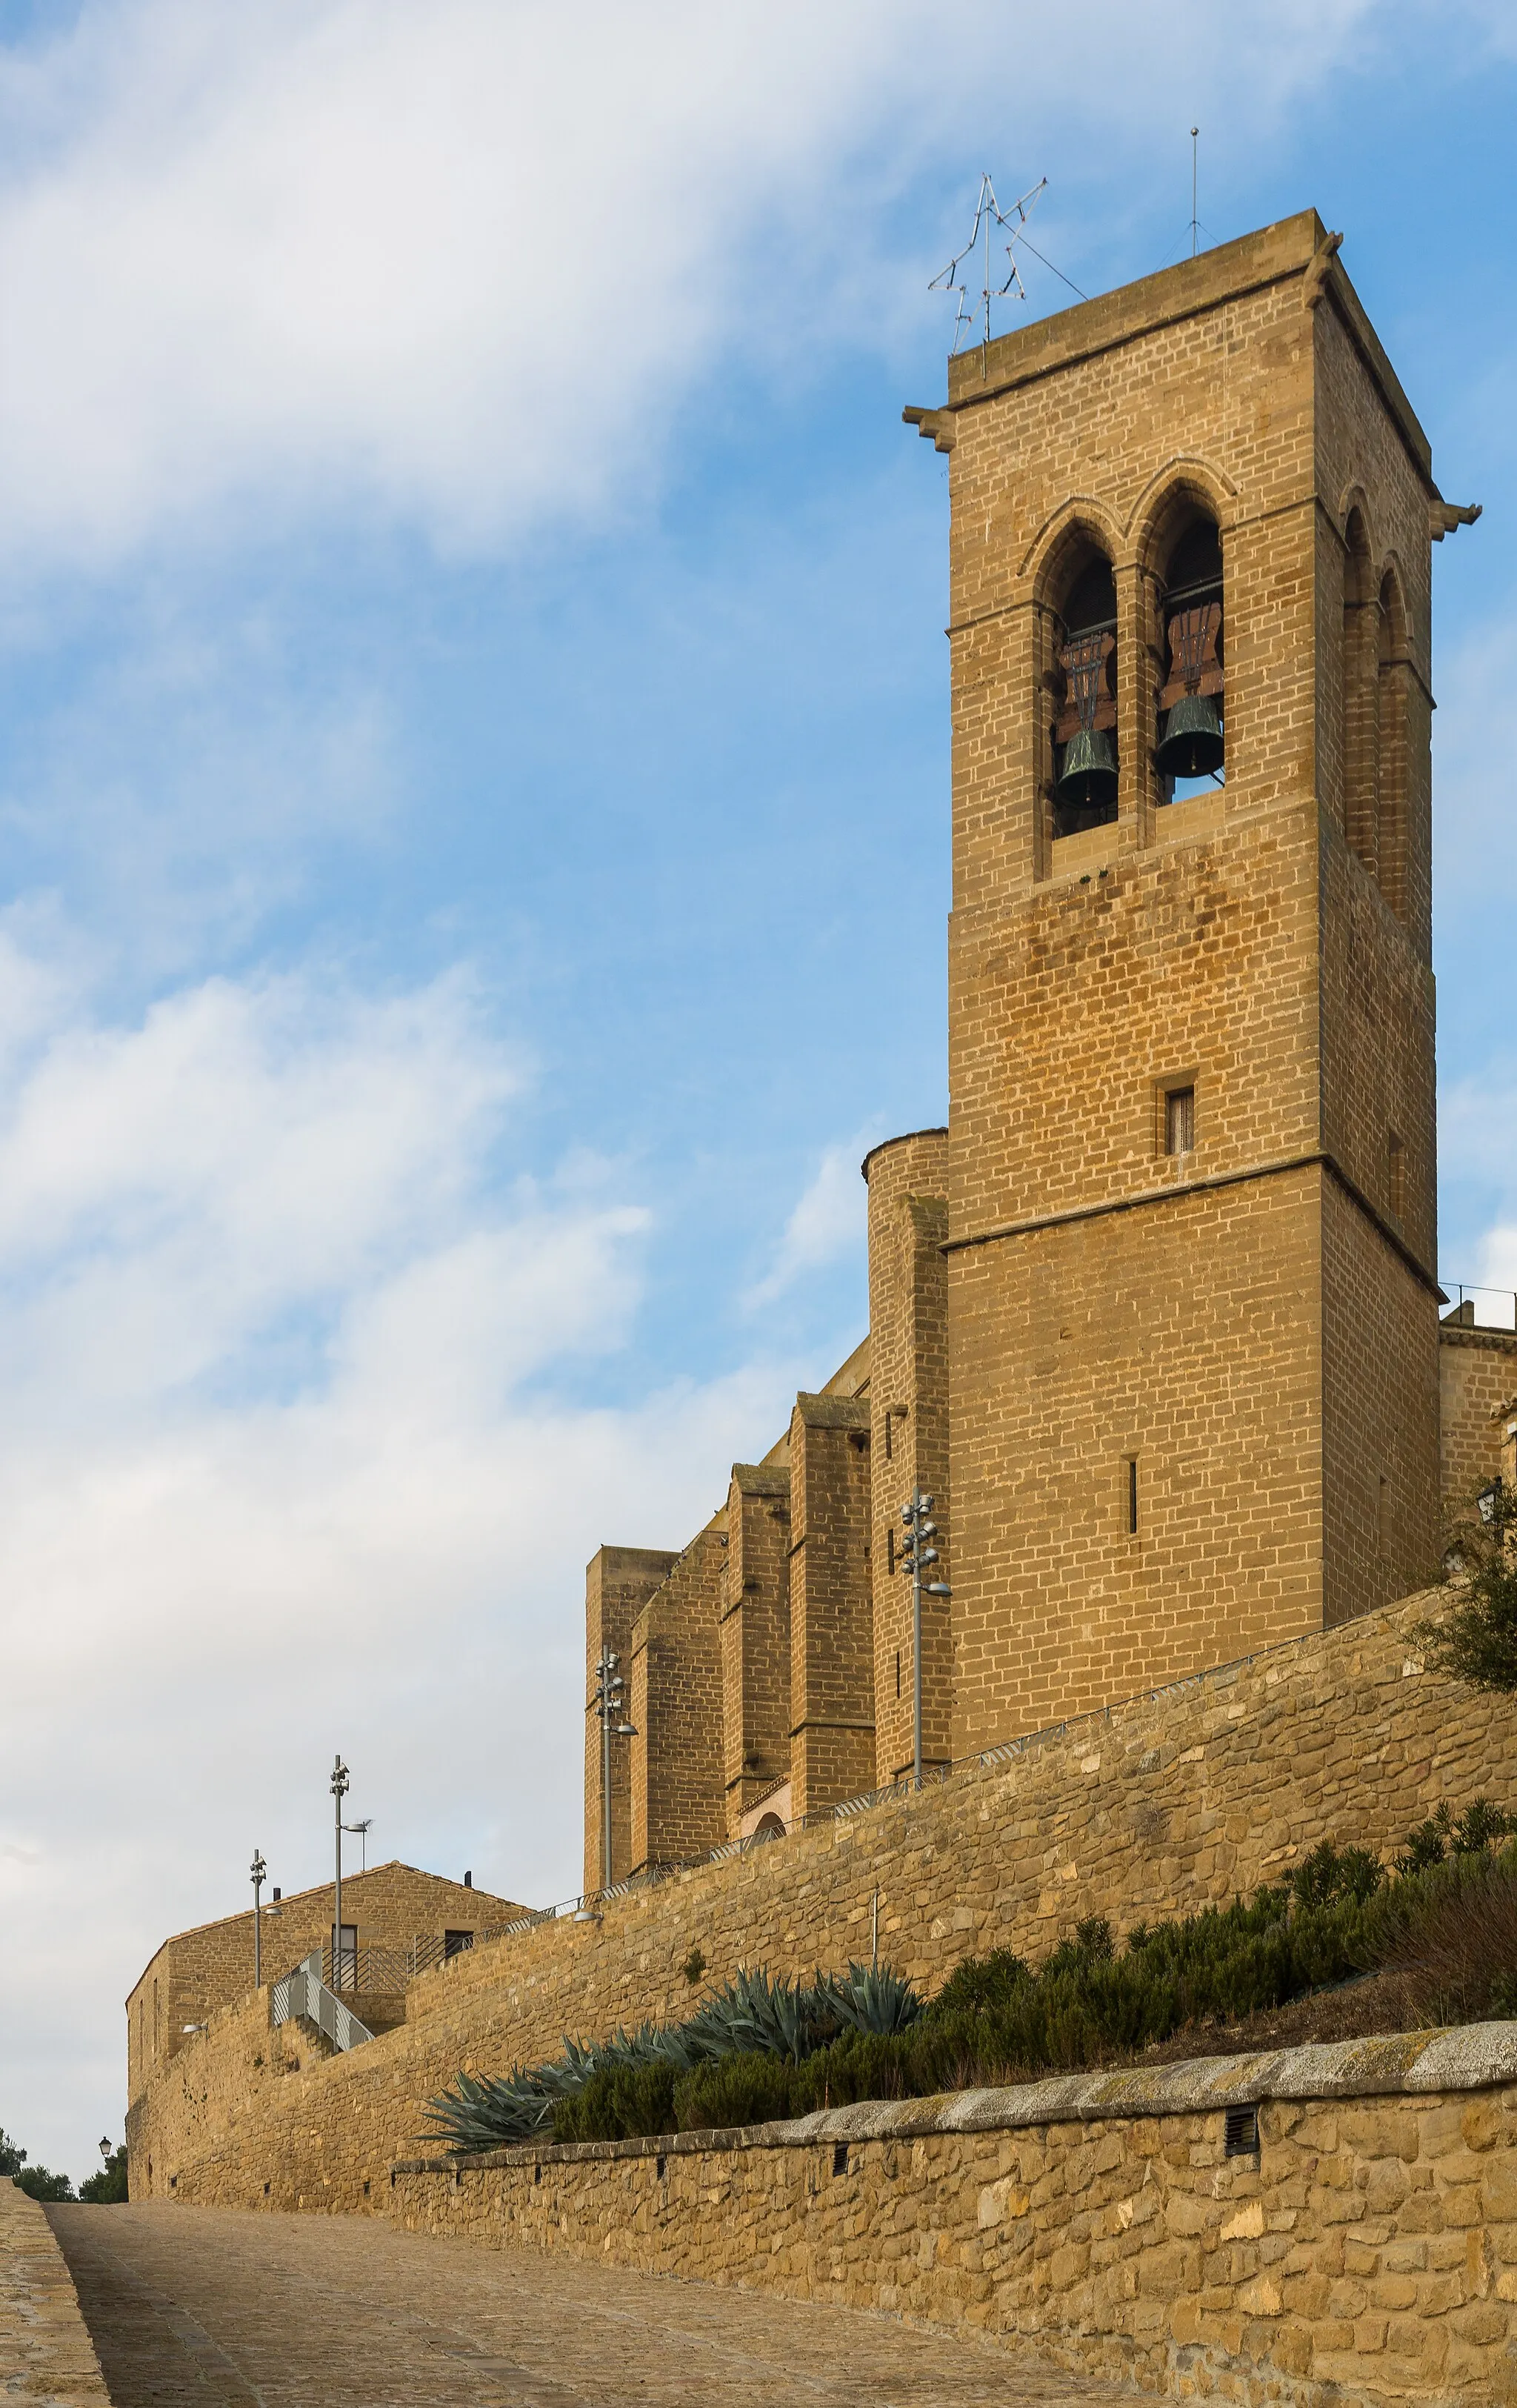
(1132, 1496)
(1179, 1120)
(1396, 1179)
(897, 1672)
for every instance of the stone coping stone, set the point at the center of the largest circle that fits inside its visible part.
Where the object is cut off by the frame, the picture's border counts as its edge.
(45, 2353)
(1457, 2057)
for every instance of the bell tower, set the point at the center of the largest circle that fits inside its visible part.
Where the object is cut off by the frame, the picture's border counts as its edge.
(1190, 1168)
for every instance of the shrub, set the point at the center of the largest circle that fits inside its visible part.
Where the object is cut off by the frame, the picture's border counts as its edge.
(756, 2087)
(619, 2102)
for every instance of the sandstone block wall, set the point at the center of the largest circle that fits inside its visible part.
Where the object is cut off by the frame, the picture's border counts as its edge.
(1366, 2253)
(618, 1582)
(832, 1728)
(909, 1439)
(1149, 1809)
(197, 1972)
(45, 2353)
(1477, 1382)
(755, 1638)
(676, 1759)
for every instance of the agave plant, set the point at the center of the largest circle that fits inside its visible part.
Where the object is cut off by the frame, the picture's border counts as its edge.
(753, 2016)
(756, 2016)
(869, 1999)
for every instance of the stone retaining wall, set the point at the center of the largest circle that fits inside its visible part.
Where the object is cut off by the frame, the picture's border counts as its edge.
(1367, 2252)
(45, 2353)
(1149, 1809)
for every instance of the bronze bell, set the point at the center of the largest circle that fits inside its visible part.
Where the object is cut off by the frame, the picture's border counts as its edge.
(1192, 743)
(1089, 774)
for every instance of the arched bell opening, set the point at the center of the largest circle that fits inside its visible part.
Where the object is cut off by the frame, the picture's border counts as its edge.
(1191, 747)
(769, 1827)
(1361, 711)
(1392, 669)
(1084, 729)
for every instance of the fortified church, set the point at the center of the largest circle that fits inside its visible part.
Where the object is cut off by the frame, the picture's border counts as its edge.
(1155, 1319)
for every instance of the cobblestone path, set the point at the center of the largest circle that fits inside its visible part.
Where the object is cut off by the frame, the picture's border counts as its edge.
(209, 2308)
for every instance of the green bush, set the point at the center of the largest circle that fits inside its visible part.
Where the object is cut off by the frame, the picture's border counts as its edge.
(619, 2102)
(752, 2088)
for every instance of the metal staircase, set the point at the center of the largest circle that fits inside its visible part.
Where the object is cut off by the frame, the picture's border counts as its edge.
(304, 1995)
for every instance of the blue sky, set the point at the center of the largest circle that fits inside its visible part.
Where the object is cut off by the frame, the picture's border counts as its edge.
(473, 828)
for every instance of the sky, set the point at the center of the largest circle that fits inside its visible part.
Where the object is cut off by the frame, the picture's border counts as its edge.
(473, 830)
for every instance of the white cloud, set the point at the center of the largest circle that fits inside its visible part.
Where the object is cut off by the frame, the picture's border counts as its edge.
(468, 261)
(290, 1463)
(827, 1223)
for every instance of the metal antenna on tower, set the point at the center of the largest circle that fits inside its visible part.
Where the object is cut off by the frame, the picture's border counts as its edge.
(1196, 222)
(988, 213)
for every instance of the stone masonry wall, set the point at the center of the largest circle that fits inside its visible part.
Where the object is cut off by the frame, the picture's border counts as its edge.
(831, 1636)
(675, 1691)
(1477, 1379)
(907, 1182)
(1366, 2253)
(756, 1637)
(618, 1582)
(1149, 1810)
(45, 2353)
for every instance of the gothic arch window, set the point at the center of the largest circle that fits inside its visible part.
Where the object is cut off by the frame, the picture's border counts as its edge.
(1191, 734)
(1392, 671)
(1361, 693)
(1084, 685)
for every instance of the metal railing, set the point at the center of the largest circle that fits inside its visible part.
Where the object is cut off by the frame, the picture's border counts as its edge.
(1498, 1311)
(303, 1996)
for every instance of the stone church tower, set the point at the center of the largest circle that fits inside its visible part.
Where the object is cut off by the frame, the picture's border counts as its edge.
(1192, 1292)
(1155, 1317)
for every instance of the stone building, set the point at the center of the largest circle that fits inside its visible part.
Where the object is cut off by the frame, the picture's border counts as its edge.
(1155, 1318)
(397, 1922)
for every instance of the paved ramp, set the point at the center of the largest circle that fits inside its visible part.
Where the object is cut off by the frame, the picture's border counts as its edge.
(210, 2308)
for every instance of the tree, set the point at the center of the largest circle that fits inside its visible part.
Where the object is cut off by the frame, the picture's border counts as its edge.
(36, 2181)
(1475, 1640)
(107, 2188)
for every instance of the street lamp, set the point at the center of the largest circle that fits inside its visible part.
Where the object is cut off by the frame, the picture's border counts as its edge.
(610, 1701)
(1491, 1506)
(339, 1791)
(258, 1869)
(362, 1830)
(915, 1556)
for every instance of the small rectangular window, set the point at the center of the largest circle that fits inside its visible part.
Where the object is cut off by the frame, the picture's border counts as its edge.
(1179, 1120)
(456, 1943)
(1132, 1496)
(1397, 1180)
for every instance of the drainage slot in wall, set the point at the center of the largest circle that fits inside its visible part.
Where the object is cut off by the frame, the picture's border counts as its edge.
(661, 2163)
(840, 2156)
(1241, 2138)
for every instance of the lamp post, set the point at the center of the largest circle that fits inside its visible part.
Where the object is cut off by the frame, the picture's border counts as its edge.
(610, 1701)
(1492, 1505)
(915, 1556)
(339, 1791)
(258, 1869)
